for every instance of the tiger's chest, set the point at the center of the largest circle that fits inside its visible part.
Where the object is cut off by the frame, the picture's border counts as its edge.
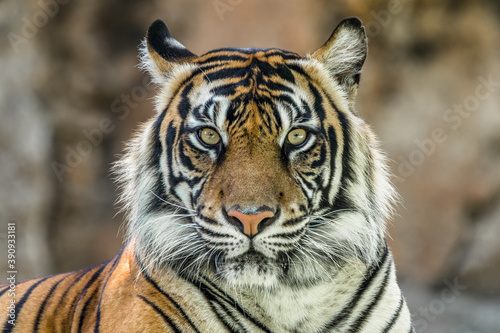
(294, 308)
(302, 310)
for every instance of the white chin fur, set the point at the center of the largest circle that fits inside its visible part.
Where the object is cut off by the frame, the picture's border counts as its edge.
(250, 272)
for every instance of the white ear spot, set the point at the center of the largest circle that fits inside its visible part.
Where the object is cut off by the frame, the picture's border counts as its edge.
(173, 43)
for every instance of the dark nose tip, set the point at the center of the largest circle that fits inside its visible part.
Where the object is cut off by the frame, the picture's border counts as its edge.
(250, 222)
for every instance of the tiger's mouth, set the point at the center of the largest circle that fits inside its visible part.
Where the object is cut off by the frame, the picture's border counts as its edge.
(251, 245)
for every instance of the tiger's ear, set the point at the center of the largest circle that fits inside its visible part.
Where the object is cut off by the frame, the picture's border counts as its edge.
(161, 52)
(344, 53)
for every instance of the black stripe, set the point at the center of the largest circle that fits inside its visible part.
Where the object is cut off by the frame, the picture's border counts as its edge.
(288, 101)
(84, 310)
(277, 115)
(347, 172)
(170, 145)
(306, 185)
(342, 201)
(209, 221)
(83, 292)
(285, 235)
(214, 234)
(8, 328)
(322, 156)
(228, 89)
(375, 269)
(156, 203)
(196, 194)
(306, 195)
(275, 86)
(161, 313)
(224, 312)
(157, 287)
(7, 287)
(44, 303)
(170, 137)
(297, 67)
(318, 102)
(219, 58)
(157, 148)
(243, 53)
(113, 268)
(286, 55)
(184, 105)
(361, 320)
(395, 317)
(265, 69)
(215, 55)
(226, 73)
(204, 292)
(220, 310)
(93, 279)
(199, 112)
(306, 110)
(78, 278)
(206, 285)
(269, 70)
(293, 222)
(185, 159)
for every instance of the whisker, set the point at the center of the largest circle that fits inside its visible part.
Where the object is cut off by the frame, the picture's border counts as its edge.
(172, 204)
(335, 212)
(205, 74)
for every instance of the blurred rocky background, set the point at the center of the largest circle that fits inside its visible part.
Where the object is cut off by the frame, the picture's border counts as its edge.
(70, 94)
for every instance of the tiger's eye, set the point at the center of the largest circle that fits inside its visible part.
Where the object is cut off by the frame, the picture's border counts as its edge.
(297, 136)
(209, 136)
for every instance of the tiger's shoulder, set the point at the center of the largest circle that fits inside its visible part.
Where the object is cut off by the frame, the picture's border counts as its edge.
(116, 296)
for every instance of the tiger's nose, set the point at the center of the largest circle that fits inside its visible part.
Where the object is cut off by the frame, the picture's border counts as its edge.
(250, 222)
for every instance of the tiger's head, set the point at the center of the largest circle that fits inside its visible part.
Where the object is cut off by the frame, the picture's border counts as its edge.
(256, 169)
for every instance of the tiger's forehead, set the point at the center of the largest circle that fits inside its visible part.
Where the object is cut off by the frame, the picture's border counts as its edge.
(257, 72)
(238, 84)
(244, 55)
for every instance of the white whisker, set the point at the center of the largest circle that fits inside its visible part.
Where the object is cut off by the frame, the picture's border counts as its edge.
(172, 204)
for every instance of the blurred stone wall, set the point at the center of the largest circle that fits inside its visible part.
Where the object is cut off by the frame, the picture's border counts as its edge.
(70, 94)
(26, 192)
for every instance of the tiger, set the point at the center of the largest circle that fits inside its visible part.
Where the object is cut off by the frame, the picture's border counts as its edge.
(256, 200)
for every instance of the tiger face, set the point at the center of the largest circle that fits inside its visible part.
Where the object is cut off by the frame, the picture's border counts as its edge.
(256, 158)
(256, 170)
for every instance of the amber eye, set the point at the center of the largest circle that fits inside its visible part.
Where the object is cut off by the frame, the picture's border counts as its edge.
(209, 136)
(297, 136)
